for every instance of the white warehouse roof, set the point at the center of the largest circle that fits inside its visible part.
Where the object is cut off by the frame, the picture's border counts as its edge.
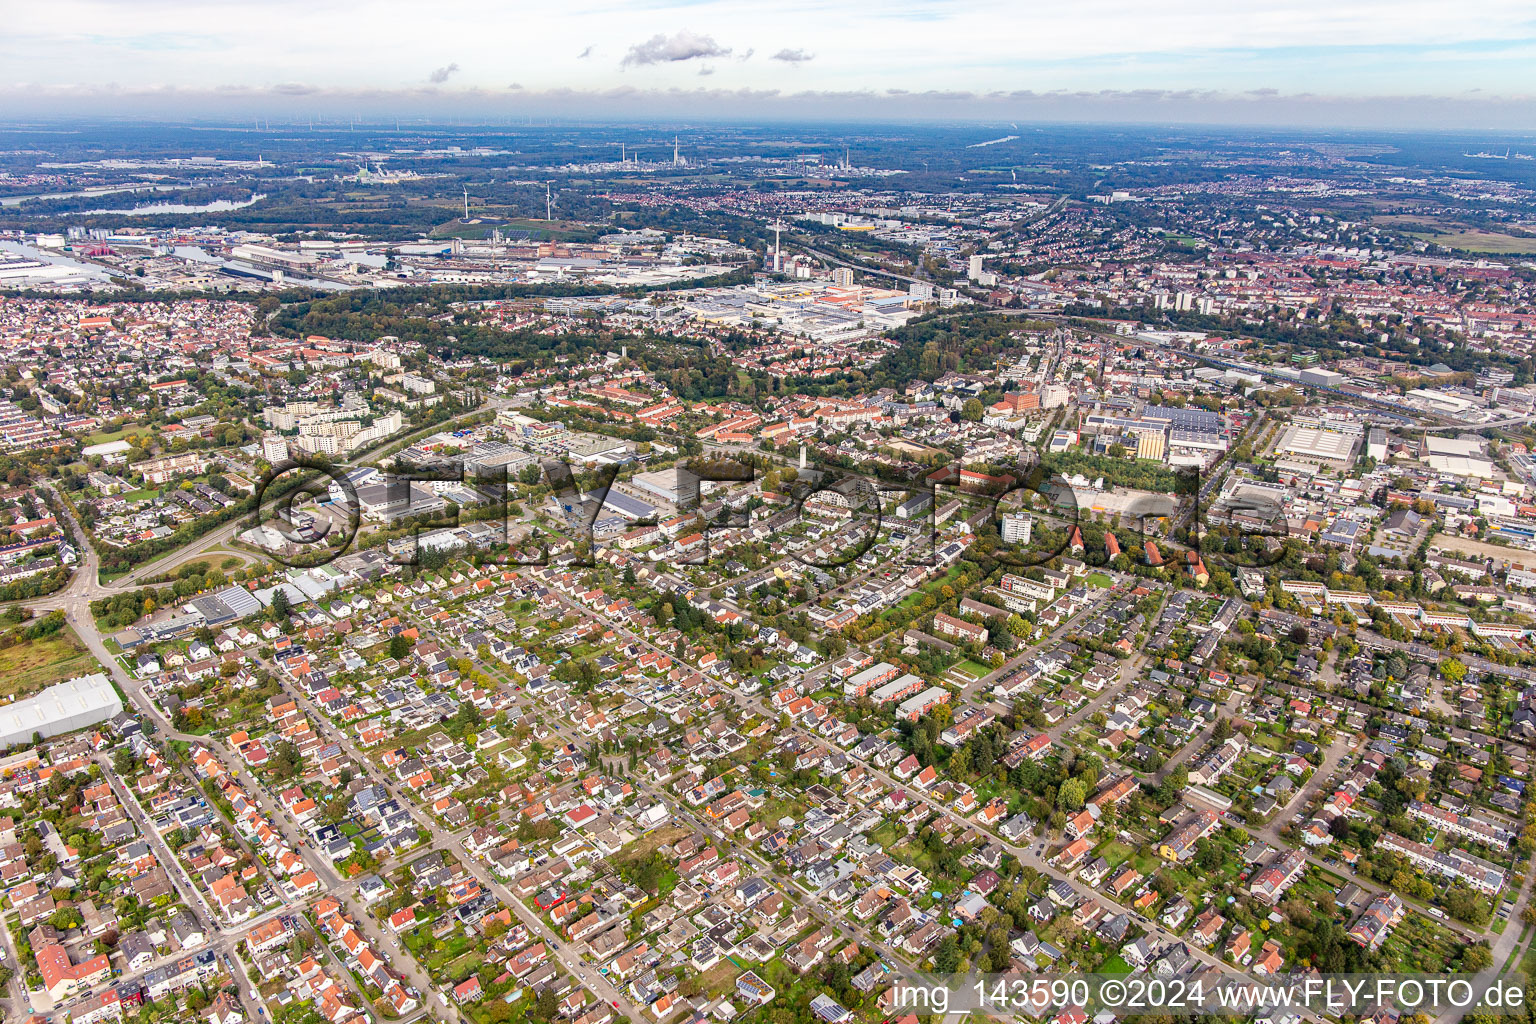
(63, 707)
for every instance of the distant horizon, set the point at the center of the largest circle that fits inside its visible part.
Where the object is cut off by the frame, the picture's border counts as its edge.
(442, 108)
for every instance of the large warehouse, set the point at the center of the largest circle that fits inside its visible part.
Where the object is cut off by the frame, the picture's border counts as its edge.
(1331, 449)
(662, 483)
(64, 707)
(1463, 456)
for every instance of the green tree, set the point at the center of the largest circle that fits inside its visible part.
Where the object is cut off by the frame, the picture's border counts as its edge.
(1452, 670)
(399, 647)
(1478, 957)
(286, 761)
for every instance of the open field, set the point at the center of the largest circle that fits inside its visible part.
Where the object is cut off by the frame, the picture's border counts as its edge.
(1456, 235)
(650, 843)
(973, 669)
(103, 436)
(29, 665)
(1479, 549)
(1492, 242)
(213, 558)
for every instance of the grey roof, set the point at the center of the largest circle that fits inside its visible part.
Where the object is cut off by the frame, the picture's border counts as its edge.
(624, 504)
(239, 600)
(214, 610)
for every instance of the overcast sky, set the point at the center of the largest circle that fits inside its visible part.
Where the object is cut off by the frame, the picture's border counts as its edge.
(1392, 62)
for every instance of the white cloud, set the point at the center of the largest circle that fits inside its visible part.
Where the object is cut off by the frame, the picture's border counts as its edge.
(442, 74)
(1342, 47)
(665, 49)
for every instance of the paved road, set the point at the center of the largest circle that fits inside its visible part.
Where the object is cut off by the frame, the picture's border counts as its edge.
(1197, 743)
(223, 938)
(795, 893)
(191, 896)
(444, 839)
(1031, 855)
(74, 601)
(1370, 640)
(87, 579)
(1286, 814)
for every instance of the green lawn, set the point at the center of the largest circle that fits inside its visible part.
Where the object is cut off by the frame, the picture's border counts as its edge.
(1115, 965)
(1510, 960)
(888, 834)
(1528, 963)
(1115, 852)
(103, 436)
(1267, 739)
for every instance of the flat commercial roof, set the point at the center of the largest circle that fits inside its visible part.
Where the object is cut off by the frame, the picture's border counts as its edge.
(239, 600)
(63, 707)
(213, 610)
(1319, 444)
(624, 505)
(660, 482)
(1464, 447)
(1184, 419)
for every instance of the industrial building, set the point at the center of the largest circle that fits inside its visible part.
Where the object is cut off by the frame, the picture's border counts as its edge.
(63, 707)
(1318, 446)
(628, 507)
(1186, 418)
(1322, 378)
(1150, 445)
(395, 499)
(1463, 456)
